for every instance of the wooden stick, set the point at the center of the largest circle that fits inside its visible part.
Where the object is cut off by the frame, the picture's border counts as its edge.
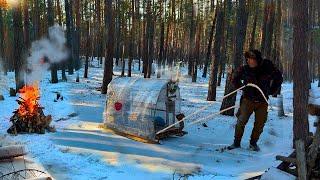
(301, 160)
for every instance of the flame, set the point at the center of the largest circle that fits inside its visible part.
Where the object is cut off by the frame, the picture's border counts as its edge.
(29, 95)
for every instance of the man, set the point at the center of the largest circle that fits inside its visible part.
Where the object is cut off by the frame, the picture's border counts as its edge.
(264, 74)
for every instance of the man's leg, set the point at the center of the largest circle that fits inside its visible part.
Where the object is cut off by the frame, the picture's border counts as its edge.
(246, 109)
(261, 114)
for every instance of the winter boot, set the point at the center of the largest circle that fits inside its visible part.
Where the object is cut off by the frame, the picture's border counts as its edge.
(235, 145)
(253, 146)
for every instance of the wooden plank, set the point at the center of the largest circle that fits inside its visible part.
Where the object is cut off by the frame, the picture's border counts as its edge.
(286, 159)
(301, 160)
(284, 165)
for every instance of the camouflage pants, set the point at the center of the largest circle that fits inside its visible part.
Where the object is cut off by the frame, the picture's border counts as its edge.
(247, 107)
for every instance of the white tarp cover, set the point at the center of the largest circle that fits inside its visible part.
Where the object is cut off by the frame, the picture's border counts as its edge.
(133, 103)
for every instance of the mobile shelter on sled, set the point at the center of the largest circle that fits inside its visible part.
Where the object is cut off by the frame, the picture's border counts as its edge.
(138, 108)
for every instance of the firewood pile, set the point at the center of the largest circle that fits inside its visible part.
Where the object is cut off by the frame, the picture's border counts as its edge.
(29, 117)
(304, 162)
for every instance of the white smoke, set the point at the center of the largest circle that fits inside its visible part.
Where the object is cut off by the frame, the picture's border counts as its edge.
(45, 52)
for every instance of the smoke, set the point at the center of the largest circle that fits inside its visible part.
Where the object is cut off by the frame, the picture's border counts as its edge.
(45, 52)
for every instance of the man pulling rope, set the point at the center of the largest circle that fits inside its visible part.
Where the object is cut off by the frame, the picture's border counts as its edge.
(268, 78)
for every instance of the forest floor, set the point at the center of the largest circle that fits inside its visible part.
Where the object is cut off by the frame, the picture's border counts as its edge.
(81, 149)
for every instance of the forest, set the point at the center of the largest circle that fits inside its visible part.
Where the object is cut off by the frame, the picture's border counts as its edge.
(73, 51)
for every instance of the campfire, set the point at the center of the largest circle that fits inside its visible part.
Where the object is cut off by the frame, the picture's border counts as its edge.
(29, 117)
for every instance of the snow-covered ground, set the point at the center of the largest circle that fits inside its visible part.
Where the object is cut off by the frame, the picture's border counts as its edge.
(81, 149)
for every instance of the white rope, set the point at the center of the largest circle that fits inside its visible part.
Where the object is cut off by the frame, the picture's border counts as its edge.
(226, 109)
(208, 117)
(210, 103)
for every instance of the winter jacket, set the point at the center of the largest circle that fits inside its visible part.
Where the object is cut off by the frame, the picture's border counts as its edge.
(265, 75)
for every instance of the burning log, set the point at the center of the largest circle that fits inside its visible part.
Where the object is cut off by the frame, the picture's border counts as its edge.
(29, 117)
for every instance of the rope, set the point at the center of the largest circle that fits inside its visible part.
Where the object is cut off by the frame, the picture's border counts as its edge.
(226, 109)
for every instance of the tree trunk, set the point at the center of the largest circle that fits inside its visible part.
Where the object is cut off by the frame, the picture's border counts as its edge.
(36, 18)
(277, 39)
(108, 63)
(18, 48)
(254, 27)
(150, 28)
(88, 39)
(26, 24)
(137, 4)
(99, 46)
(205, 70)
(318, 51)
(59, 14)
(217, 55)
(62, 65)
(196, 52)
(132, 39)
(54, 75)
(118, 33)
(268, 31)
(191, 40)
(240, 35)
(69, 22)
(223, 60)
(148, 44)
(122, 59)
(2, 58)
(161, 49)
(300, 66)
(77, 36)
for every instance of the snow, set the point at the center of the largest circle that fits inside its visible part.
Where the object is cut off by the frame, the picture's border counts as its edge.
(81, 149)
(274, 173)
